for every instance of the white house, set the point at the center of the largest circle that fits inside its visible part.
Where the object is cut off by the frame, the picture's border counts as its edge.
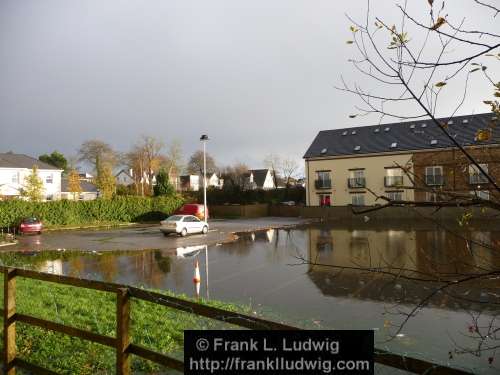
(14, 168)
(89, 191)
(190, 182)
(124, 177)
(214, 181)
(260, 179)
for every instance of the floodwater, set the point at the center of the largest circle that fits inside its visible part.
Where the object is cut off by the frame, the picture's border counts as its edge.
(332, 276)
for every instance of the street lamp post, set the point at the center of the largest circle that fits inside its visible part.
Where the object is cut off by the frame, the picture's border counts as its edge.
(204, 139)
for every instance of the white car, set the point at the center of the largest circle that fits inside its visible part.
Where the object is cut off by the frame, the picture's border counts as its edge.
(183, 224)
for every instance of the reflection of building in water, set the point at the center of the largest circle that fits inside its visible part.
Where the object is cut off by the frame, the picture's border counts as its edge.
(365, 248)
(52, 266)
(270, 235)
(424, 251)
(263, 235)
(460, 252)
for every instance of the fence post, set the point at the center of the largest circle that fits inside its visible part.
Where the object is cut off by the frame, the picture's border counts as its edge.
(9, 324)
(122, 331)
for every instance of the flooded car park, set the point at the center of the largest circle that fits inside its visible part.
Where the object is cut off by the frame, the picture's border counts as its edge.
(322, 276)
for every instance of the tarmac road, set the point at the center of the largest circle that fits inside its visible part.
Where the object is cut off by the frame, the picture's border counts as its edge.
(141, 237)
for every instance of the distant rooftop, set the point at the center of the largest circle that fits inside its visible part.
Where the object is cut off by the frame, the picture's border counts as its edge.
(402, 136)
(87, 187)
(11, 160)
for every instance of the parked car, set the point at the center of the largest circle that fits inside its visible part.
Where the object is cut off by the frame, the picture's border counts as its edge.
(183, 224)
(30, 225)
(193, 209)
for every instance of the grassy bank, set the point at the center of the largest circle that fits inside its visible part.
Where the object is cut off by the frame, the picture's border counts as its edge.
(153, 326)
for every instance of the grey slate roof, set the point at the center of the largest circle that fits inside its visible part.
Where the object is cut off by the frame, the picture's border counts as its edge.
(259, 176)
(408, 136)
(11, 160)
(87, 187)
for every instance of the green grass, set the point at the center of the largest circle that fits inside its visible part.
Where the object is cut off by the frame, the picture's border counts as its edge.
(156, 327)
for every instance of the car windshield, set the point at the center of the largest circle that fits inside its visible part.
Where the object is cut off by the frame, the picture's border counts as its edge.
(175, 218)
(31, 220)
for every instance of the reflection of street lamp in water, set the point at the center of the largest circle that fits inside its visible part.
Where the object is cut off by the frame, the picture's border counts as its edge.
(206, 270)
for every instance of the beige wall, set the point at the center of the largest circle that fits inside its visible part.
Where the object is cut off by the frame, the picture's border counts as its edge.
(374, 173)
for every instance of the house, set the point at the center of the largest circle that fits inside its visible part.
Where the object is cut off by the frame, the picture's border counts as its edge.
(344, 166)
(189, 183)
(85, 177)
(14, 168)
(260, 179)
(213, 181)
(124, 177)
(89, 191)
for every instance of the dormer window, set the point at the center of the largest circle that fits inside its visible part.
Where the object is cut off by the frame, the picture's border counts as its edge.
(412, 126)
(423, 125)
(394, 144)
(376, 130)
(434, 142)
(357, 148)
(344, 132)
(323, 151)
(387, 129)
(450, 122)
(353, 132)
(465, 121)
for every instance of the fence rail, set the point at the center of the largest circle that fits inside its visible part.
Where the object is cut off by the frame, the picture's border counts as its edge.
(121, 343)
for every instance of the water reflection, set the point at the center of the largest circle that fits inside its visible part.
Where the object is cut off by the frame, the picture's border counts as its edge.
(389, 255)
(332, 289)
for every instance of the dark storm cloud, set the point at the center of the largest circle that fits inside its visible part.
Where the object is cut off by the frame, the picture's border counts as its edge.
(257, 76)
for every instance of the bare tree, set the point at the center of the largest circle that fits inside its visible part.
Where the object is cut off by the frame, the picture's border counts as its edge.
(289, 168)
(235, 176)
(145, 160)
(173, 163)
(417, 74)
(408, 68)
(195, 164)
(96, 152)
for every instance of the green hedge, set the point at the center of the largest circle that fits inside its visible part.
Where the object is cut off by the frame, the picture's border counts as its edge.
(235, 195)
(64, 212)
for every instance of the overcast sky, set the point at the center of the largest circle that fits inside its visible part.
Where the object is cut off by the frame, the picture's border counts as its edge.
(257, 76)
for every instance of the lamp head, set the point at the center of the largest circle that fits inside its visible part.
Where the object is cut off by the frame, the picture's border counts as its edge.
(204, 137)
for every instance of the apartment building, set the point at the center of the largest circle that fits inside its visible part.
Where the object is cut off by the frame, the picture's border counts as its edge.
(402, 161)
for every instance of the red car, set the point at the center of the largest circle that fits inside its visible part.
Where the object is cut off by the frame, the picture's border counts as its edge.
(193, 209)
(30, 225)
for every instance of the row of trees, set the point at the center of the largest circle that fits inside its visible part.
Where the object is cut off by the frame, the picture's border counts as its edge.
(151, 163)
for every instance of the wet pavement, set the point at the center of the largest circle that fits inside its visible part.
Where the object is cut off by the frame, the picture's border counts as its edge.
(143, 237)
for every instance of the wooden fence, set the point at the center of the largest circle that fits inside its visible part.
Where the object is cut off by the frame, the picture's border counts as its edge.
(122, 344)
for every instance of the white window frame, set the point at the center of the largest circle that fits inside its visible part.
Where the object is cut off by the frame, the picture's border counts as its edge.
(358, 199)
(15, 178)
(320, 176)
(49, 179)
(357, 173)
(481, 194)
(431, 171)
(394, 195)
(475, 176)
(392, 173)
